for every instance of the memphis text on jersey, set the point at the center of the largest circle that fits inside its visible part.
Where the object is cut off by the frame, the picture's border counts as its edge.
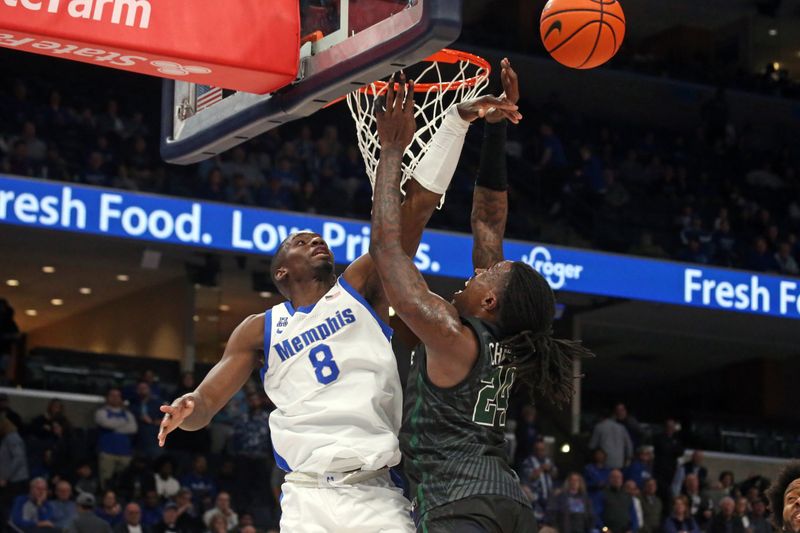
(290, 347)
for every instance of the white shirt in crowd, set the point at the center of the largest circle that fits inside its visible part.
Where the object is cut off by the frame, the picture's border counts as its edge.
(167, 488)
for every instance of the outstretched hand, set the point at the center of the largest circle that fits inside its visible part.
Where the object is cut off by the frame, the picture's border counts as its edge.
(510, 94)
(174, 415)
(395, 115)
(483, 106)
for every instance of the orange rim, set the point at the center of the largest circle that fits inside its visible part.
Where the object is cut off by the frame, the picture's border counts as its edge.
(445, 55)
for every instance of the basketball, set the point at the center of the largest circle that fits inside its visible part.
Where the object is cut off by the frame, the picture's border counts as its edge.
(582, 34)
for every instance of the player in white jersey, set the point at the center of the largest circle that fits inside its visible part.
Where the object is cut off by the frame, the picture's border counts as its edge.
(328, 364)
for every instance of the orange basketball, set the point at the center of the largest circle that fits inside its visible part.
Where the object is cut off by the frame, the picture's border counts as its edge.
(582, 33)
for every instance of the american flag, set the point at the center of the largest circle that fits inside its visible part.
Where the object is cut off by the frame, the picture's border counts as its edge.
(207, 96)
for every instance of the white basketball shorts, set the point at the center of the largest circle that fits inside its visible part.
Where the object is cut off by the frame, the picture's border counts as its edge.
(372, 506)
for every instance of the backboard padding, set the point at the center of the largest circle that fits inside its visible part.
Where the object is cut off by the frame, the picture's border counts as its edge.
(403, 39)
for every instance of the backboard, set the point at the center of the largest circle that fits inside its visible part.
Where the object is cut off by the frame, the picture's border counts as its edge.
(346, 45)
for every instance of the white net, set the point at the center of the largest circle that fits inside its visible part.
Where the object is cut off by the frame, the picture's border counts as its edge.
(443, 86)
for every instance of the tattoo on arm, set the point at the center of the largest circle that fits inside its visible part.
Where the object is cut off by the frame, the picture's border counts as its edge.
(489, 214)
(427, 314)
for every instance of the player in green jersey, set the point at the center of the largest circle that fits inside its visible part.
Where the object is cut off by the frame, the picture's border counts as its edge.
(497, 330)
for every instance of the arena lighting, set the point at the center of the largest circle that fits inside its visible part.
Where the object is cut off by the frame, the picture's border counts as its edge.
(212, 318)
(12, 282)
(776, 65)
(565, 448)
(392, 311)
(772, 32)
(265, 294)
(85, 290)
(57, 301)
(31, 312)
(48, 269)
(224, 308)
(196, 318)
(123, 277)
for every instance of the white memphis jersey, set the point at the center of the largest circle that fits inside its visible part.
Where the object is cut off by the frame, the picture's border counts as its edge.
(332, 375)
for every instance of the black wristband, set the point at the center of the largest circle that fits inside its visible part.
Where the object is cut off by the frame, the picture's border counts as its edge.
(493, 172)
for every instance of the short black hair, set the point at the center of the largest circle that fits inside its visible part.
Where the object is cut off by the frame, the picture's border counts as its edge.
(277, 259)
(777, 491)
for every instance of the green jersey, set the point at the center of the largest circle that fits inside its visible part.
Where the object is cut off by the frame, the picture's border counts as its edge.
(453, 439)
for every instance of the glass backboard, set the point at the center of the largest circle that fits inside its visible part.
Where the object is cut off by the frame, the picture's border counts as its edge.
(346, 44)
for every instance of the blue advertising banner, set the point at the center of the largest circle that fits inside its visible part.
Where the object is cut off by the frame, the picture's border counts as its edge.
(66, 207)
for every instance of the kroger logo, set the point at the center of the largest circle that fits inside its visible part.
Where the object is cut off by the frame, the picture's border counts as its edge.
(555, 273)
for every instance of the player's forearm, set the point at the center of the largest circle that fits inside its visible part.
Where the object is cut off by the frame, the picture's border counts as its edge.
(489, 215)
(490, 198)
(386, 239)
(386, 246)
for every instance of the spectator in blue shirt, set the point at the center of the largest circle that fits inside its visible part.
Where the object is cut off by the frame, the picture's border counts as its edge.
(149, 377)
(200, 483)
(116, 425)
(110, 510)
(596, 475)
(95, 172)
(148, 417)
(64, 508)
(570, 511)
(761, 259)
(641, 468)
(151, 508)
(537, 475)
(32, 512)
(252, 449)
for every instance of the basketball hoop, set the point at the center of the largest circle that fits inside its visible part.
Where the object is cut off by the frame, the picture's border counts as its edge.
(450, 77)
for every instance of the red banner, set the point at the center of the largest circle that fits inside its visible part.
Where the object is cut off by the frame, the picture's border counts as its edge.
(247, 45)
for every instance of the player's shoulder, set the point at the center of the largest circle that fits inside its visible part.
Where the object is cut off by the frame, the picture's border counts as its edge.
(250, 331)
(483, 330)
(252, 321)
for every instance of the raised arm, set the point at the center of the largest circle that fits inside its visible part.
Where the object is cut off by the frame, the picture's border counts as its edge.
(432, 319)
(435, 321)
(195, 410)
(490, 198)
(424, 191)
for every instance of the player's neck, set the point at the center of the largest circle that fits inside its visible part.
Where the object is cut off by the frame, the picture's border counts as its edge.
(309, 292)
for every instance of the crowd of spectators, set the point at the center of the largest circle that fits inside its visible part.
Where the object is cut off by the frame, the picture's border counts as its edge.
(56, 476)
(707, 195)
(51, 480)
(646, 489)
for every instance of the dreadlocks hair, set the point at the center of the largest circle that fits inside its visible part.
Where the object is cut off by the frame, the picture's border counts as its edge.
(777, 491)
(544, 364)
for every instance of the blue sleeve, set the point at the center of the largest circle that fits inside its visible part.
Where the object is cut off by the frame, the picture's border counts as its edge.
(669, 526)
(590, 478)
(598, 512)
(16, 513)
